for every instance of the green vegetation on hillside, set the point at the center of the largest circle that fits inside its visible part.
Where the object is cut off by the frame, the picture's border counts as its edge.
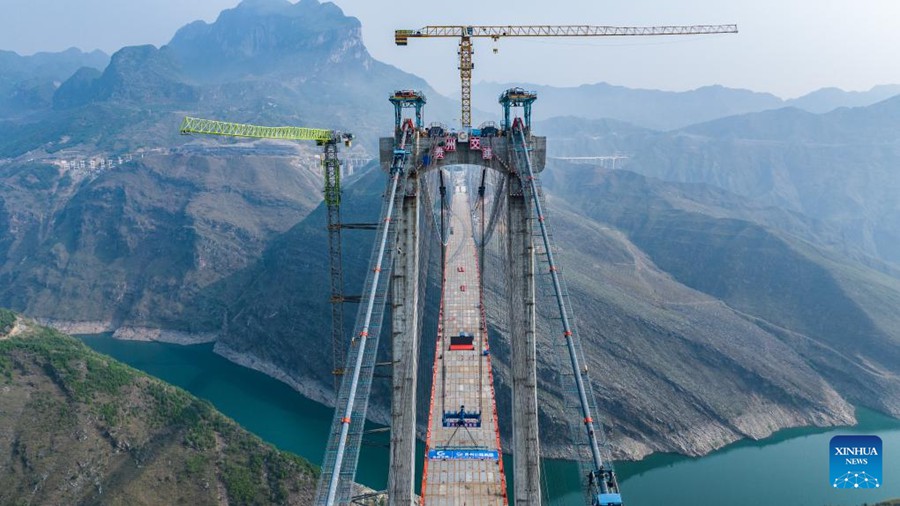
(83, 427)
(7, 320)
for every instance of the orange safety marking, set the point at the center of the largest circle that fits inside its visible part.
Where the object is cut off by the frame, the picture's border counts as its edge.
(434, 371)
(490, 371)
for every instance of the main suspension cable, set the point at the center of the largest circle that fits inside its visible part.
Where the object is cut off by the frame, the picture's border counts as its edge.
(602, 477)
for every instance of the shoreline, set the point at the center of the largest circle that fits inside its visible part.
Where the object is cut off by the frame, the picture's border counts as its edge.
(312, 392)
(634, 453)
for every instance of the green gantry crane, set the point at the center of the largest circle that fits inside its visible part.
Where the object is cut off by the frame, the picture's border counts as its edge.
(331, 165)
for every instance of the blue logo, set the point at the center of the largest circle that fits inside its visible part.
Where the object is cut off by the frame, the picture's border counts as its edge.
(855, 462)
(463, 454)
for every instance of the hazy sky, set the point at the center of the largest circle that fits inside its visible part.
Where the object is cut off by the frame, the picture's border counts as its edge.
(787, 47)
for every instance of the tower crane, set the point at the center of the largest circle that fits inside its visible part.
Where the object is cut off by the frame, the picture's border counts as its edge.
(465, 34)
(331, 166)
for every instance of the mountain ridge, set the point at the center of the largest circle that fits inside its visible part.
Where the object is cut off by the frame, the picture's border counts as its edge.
(27, 83)
(671, 110)
(835, 167)
(316, 72)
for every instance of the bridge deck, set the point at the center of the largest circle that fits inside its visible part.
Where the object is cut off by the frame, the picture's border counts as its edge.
(463, 465)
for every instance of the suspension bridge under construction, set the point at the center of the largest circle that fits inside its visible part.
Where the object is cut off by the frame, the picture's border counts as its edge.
(429, 200)
(474, 194)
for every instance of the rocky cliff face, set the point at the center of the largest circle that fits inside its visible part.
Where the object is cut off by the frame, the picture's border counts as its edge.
(136, 246)
(295, 41)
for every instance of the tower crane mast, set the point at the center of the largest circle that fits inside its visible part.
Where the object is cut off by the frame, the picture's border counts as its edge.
(465, 34)
(331, 167)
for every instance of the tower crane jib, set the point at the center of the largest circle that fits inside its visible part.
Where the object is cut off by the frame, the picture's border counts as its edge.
(331, 168)
(465, 33)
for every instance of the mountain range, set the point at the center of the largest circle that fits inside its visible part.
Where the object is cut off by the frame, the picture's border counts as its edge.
(28, 83)
(738, 276)
(837, 167)
(299, 64)
(669, 110)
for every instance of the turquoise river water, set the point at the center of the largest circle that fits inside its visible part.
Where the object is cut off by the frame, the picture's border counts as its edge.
(788, 469)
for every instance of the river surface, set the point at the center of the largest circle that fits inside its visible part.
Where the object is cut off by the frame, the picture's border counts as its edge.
(788, 469)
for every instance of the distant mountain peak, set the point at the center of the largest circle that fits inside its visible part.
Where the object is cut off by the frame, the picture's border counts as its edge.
(286, 7)
(139, 74)
(268, 36)
(265, 5)
(27, 83)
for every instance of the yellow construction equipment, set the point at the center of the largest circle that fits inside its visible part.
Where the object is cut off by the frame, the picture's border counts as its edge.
(331, 167)
(212, 127)
(466, 33)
